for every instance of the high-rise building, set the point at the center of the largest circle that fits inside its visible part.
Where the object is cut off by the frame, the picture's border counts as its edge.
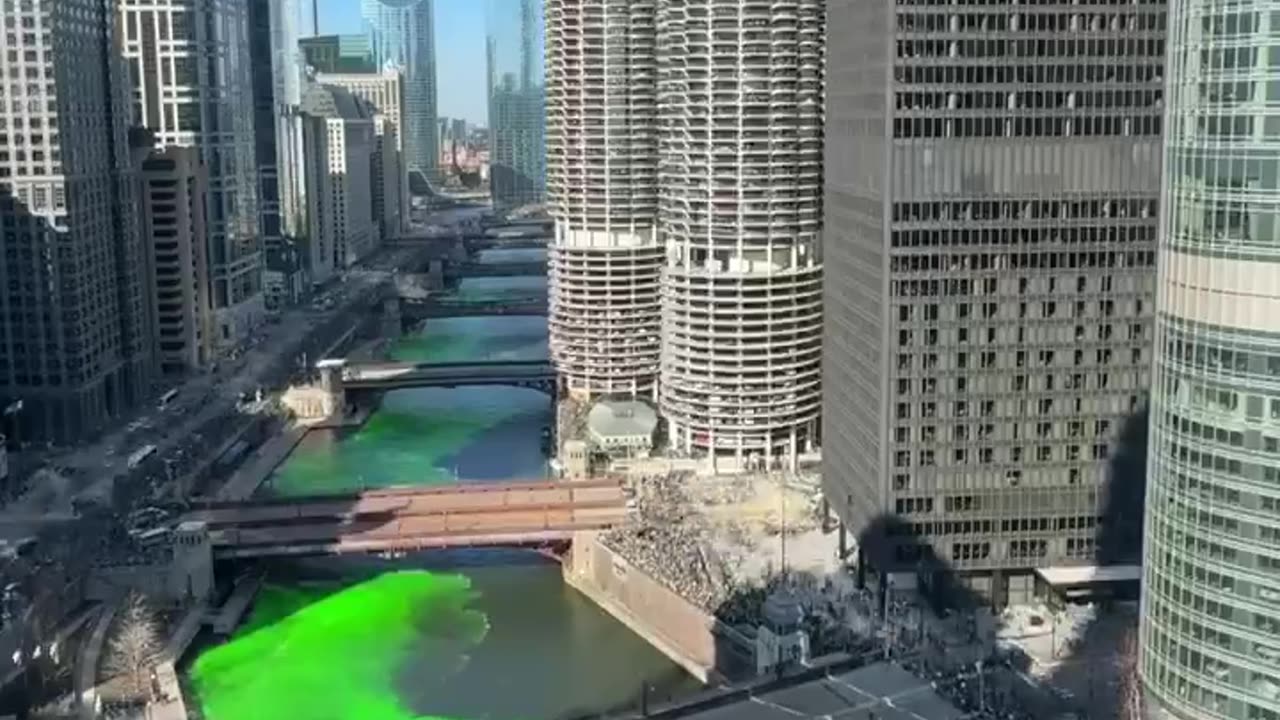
(384, 93)
(340, 176)
(602, 191)
(174, 187)
(402, 35)
(352, 53)
(1211, 589)
(992, 177)
(740, 213)
(278, 71)
(517, 103)
(193, 87)
(74, 345)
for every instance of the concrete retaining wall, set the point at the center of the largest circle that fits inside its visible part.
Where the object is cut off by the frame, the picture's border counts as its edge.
(689, 636)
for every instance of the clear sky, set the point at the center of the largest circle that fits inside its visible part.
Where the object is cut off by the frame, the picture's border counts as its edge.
(460, 62)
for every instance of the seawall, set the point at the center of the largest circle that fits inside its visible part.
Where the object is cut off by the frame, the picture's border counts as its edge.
(691, 637)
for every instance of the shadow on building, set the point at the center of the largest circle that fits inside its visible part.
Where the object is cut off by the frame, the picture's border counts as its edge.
(1088, 672)
(70, 388)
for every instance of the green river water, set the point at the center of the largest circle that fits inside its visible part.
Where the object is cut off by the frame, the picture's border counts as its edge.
(468, 634)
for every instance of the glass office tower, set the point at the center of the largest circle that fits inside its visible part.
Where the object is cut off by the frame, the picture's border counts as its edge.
(1211, 591)
(402, 34)
(517, 102)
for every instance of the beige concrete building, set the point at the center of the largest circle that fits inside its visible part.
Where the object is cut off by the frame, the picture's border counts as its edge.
(384, 92)
(192, 86)
(340, 143)
(174, 184)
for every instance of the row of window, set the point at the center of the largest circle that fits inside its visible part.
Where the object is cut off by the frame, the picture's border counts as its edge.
(953, 75)
(1015, 21)
(1026, 100)
(1024, 127)
(1016, 49)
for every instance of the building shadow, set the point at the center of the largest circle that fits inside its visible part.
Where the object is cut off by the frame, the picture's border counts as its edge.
(1089, 670)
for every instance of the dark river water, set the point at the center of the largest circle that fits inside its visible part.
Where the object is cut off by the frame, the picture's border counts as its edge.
(491, 635)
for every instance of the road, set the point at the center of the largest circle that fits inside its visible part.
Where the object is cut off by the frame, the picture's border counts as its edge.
(204, 398)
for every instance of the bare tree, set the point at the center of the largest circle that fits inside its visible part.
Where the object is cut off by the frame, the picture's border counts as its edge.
(133, 650)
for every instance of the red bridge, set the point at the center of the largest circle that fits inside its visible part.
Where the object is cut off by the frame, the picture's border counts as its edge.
(403, 519)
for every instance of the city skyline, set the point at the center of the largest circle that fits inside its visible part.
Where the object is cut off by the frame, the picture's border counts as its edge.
(461, 50)
(939, 336)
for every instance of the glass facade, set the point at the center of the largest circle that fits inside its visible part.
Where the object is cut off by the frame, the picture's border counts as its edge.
(1211, 592)
(338, 53)
(517, 102)
(402, 33)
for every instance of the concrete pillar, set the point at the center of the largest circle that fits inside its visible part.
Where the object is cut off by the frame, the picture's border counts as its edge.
(335, 393)
(435, 275)
(795, 452)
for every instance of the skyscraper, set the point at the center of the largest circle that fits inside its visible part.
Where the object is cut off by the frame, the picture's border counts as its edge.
(602, 191)
(276, 65)
(517, 102)
(74, 345)
(343, 127)
(174, 185)
(402, 34)
(1211, 592)
(193, 87)
(384, 93)
(740, 211)
(992, 180)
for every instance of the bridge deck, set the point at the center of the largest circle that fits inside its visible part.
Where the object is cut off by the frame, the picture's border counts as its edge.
(509, 527)
(494, 499)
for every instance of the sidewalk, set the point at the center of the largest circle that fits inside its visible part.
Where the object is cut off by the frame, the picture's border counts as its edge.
(246, 480)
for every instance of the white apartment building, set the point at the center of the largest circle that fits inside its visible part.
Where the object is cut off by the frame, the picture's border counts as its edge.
(385, 92)
(174, 184)
(192, 86)
(339, 136)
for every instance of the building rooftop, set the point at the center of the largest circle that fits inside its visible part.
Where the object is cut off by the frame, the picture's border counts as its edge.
(621, 418)
(876, 692)
(1086, 574)
(332, 101)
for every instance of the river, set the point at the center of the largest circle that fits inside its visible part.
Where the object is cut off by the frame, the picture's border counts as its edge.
(491, 634)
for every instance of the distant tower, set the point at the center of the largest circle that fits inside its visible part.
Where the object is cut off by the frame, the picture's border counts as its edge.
(517, 104)
(403, 36)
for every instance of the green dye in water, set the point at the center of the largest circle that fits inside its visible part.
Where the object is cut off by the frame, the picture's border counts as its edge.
(324, 654)
(437, 347)
(392, 448)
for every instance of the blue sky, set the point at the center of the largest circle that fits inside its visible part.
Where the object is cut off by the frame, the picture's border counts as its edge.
(460, 63)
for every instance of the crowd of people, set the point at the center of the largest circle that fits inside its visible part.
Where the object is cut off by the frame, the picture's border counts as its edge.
(669, 541)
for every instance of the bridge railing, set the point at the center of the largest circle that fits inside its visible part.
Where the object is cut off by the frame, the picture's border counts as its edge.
(465, 487)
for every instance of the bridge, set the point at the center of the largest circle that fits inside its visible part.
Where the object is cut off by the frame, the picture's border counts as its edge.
(436, 307)
(537, 375)
(496, 269)
(521, 514)
(476, 243)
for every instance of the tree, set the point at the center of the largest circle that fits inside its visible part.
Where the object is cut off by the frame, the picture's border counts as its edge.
(133, 650)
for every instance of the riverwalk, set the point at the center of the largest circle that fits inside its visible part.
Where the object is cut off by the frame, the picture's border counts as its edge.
(244, 482)
(225, 620)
